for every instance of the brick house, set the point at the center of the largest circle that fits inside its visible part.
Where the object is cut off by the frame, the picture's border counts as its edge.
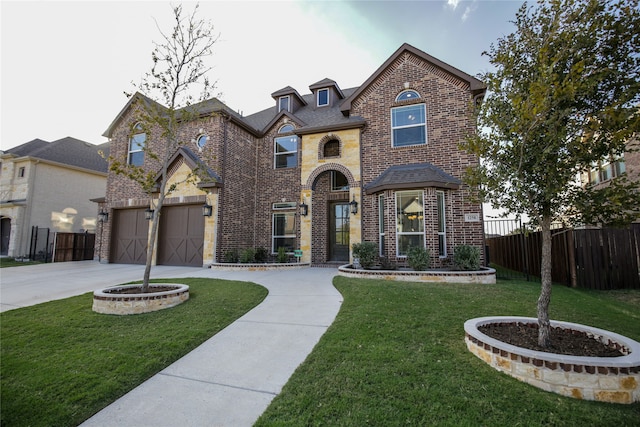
(316, 172)
(48, 185)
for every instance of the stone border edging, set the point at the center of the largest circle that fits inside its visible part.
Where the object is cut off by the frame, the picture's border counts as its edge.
(606, 379)
(224, 266)
(105, 302)
(485, 276)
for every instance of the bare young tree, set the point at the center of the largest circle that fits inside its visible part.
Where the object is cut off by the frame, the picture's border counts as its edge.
(177, 80)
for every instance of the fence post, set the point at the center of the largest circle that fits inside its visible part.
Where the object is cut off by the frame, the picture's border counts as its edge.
(525, 252)
(571, 254)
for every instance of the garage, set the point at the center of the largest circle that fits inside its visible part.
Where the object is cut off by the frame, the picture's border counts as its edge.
(130, 233)
(181, 236)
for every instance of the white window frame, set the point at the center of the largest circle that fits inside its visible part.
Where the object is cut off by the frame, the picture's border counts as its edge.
(399, 233)
(381, 225)
(403, 94)
(283, 153)
(334, 186)
(21, 171)
(201, 136)
(442, 220)
(288, 105)
(422, 124)
(325, 90)
(139, 130)
(274, 236)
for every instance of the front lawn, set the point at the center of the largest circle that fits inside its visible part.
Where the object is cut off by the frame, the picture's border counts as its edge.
(61, 362)
(395, 355)
(11, 262)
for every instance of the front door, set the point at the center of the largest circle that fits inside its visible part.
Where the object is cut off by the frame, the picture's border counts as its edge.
(5, 235)
(339, 232)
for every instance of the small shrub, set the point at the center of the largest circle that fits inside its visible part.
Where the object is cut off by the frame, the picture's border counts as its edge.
(366, 253)
(418, 258)
(387, 264)
(231, 256)
(282, 256)
(248, 256)
(261, 255)
(466, 257)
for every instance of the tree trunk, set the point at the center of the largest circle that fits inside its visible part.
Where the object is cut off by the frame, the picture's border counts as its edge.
(544, 331)
(152, 242)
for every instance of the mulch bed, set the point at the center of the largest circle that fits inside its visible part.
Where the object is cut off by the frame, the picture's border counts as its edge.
(563, 341)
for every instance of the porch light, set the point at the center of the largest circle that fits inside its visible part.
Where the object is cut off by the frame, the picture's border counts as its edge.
(207, 209)
(304, 209)
(148, 214)
(354, 205)
(103, 216)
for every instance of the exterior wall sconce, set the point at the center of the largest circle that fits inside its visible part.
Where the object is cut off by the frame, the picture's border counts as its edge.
(207, 209)
(354, 205)
(148, 214)
(304, 209)
(103, 216)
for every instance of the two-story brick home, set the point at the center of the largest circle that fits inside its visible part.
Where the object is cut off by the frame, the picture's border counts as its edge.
(317, 172)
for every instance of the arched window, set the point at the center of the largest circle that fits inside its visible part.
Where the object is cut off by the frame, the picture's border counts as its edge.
(136, 145)
(406, 95)
(286, 128)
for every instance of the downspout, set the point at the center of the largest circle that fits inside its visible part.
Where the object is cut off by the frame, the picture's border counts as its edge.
(255, 198)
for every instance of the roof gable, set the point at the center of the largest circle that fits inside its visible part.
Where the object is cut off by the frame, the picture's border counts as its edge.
(208, 177)
(475, 86)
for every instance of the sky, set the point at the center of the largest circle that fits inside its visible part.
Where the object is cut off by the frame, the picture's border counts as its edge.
(65, 66)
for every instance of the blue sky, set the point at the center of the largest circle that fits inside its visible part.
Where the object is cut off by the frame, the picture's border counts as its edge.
(64, 66)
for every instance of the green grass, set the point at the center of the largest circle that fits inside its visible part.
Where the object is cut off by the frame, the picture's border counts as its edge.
(11, 262)
(61, 362)
(395, 355)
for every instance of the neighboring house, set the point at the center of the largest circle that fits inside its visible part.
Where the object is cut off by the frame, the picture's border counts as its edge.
(48, 185)
(318, 172)
(604, 171)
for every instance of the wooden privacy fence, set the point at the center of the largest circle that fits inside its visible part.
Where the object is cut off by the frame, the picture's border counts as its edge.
(73, 247)
(607, 258)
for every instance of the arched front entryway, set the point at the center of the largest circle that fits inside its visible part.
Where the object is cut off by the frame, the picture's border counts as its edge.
(331, 230)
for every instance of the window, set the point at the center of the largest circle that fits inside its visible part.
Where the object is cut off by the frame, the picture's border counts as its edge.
(381, 225)
(323, 97)
(21, 172)
(408, 125)
(284, 232)
(286, 152)
(339, 182)
(331, 148)
(284, 205)
(607, 169)
(136, 146)
(407, 95)
(201, 141)
(442, 226)
(410, 221)
(283, 103)
(286, 128)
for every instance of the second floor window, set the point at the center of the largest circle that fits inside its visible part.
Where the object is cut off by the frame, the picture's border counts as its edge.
(286, 152)
(323, 97)
(408, 125)
(136, 146)
(607, 169)
(283, 103)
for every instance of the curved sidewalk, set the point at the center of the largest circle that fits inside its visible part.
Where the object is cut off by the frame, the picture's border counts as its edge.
(232, 377)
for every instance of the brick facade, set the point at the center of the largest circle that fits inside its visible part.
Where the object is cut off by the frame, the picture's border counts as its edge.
(241, 151)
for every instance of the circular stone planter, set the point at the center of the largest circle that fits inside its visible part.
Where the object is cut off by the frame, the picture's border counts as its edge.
(110, 301)
(484, 276)
(605, 379)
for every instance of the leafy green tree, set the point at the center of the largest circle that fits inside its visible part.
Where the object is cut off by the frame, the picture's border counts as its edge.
(177, 80)
(564, 95)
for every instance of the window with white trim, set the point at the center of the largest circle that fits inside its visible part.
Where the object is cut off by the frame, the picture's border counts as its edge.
(408, 125)
(201, 141)
(410, 221)
(381, 232)
(21, 171)
(339, 182)
(442, 225)
(284, 102)
(283, 232)
(137, 143)
(607, 169)
(286, 152)
(323, 97)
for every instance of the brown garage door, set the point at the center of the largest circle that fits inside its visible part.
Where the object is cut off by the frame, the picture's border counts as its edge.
(129, 237)
(181, 237)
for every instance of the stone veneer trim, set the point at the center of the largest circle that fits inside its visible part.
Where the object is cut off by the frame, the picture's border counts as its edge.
(106, 302)
(486, 276)
(606, 379)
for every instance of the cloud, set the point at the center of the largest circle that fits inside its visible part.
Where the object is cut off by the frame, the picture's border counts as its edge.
(453, 4)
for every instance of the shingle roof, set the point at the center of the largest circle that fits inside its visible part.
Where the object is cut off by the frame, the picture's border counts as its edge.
(418, 175)
(68, 151)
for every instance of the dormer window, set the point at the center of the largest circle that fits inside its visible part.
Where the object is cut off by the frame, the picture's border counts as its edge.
(323, 97)
(284, 103)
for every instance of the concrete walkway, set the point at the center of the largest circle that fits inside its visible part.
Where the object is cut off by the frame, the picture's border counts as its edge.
(231, 378)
